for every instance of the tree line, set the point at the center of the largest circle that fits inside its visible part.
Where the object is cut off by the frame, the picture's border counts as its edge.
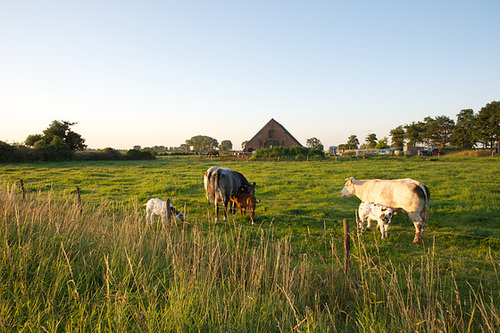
(470, 130)
(58, 142)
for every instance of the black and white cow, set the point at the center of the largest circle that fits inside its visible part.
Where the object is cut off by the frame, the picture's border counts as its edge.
(208, 182)
(220, 183)
(369, 211)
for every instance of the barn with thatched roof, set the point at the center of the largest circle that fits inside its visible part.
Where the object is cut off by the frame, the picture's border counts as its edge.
(273, 134)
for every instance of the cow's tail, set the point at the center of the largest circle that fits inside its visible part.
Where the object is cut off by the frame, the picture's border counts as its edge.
(425, 195)
(216, 181)
(207, 183)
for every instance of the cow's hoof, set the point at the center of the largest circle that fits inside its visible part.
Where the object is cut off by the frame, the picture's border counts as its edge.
(368, 229)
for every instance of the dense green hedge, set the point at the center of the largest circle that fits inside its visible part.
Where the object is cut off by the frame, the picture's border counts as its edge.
(22, 154)
(10, 153)
(289, 153)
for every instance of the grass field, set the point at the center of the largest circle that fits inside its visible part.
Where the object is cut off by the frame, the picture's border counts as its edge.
(103, 270)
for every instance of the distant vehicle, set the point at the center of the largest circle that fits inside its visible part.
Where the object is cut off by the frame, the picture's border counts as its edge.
(429, 152)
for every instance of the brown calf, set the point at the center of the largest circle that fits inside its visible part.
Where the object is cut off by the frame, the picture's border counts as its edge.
(245, 201)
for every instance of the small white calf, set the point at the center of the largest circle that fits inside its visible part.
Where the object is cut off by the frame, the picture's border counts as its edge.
(369, 211)
(157, 207)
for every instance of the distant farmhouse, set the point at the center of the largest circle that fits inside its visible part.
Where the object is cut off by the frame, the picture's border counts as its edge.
(273, 134)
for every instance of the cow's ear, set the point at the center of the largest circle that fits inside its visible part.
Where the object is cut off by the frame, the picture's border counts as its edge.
(254, 184)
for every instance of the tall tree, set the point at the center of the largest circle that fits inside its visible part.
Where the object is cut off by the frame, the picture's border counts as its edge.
(465, 133)
(244, 144)
(314, 143)
(438, 131)
(398, 136)
(202, 144)
(184, 148)
(488, 123)
(225, 146)
(61, 130)
(353, 142)
(371, 140)
(414, 133)
(382, 143)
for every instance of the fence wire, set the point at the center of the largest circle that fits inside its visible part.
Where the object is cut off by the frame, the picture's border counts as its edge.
(206, 218)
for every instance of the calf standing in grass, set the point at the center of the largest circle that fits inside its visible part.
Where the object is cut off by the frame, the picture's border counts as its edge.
(402, 195)
(369, 211)
(157, 207)
(245, 201)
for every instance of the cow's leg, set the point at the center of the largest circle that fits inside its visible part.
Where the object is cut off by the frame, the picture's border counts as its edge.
(224, 206)
(148, 215)
(361, 225)
(216, 208)
(380, 226)
(252, 212)
(232, 208)
(369, 224)
(384, 227)
(424, 217)
(419, 226)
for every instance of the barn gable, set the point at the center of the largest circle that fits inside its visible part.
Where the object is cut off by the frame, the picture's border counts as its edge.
(273, 134)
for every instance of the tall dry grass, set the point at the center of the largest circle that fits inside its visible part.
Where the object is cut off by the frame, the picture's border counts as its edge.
(103, 270)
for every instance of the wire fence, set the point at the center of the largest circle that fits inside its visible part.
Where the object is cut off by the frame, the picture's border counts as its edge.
(207, 218)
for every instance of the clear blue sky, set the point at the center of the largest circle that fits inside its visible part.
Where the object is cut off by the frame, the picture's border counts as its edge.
(159, 72)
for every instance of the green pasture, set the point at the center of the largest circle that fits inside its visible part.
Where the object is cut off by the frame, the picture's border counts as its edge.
(294, 195)
(299, 219)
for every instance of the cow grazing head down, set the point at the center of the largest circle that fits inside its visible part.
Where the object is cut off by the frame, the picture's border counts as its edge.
(177, 213)
(220, 183)
(156, 206)
(247, 189)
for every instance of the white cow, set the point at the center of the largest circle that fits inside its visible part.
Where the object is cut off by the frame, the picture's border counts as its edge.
(369, 211)
(403, 195)
(156, 206)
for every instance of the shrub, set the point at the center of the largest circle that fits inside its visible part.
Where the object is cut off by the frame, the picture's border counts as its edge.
(8, 153)
(107, 154)
(290, 153)
(473, 153)
(56, 152)
(134, 154)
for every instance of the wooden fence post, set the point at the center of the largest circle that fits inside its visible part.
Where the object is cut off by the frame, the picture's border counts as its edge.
(347, 246)
(79, 199)
(24, 191)
(169, 212)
